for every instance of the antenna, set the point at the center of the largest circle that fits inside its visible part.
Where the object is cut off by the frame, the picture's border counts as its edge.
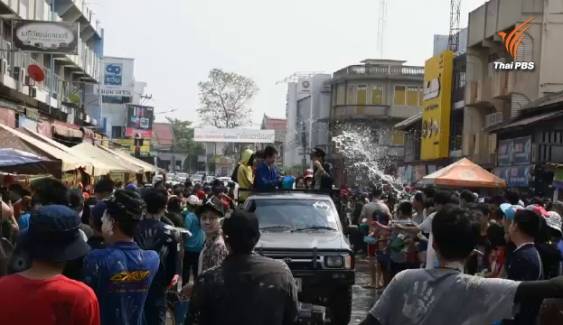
(381, 28)
(455, 17)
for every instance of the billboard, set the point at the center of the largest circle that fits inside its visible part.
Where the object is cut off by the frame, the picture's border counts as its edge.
(139, 121)
(234, 135)
(46, 36)
(517, 151)
(117, 77)
(437, 106)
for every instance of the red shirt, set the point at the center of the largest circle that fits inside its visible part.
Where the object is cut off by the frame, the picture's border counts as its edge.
(56, 301)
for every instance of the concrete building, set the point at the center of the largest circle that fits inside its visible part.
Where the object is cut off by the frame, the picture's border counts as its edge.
(54, 106)
(307, 112)
(108, 101)
(162, 148)
(493, 96)
(376, 94)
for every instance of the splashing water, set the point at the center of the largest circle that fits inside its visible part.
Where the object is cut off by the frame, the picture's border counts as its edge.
(363, 156)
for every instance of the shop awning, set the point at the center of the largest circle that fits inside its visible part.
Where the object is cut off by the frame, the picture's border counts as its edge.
(403, 125)
(65, 131)
(147, 168)
(103, 160)
(463, 174)
(527, 121)
(68, 162)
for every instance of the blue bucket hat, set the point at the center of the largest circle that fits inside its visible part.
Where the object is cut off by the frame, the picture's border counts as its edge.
(509, 210)
(54, 235)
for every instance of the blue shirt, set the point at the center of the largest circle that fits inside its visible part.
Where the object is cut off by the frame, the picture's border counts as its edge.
(193, 244)
(23, 222)
(267, 177)
(121, 275)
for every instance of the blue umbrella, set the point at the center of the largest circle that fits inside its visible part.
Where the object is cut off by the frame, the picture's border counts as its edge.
(14, 157)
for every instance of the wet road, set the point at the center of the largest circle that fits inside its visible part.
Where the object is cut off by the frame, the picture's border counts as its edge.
(363, 298)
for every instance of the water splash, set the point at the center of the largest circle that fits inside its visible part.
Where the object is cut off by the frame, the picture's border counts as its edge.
(365, 157)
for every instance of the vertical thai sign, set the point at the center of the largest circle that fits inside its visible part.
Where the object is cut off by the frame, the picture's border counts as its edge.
(437, 106)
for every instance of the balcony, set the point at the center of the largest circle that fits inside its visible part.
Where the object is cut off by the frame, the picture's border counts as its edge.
(78, 11)
(478, 93)
(360, 112)
(381, 71)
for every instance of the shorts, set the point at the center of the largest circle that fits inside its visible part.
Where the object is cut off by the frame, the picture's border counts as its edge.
(384, 259)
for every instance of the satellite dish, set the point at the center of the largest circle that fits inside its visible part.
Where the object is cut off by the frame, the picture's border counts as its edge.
(36, 72)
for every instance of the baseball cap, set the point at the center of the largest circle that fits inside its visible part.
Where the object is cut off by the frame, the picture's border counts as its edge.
(214, 203)
(54, 235)
(194, 200)
(318, 152)
(509, 210)
(553, 220)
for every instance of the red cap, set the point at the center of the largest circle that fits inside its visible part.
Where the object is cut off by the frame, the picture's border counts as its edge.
(200, 194)
(538, 209)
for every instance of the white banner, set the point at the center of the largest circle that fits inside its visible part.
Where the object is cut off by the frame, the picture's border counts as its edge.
(234, 135)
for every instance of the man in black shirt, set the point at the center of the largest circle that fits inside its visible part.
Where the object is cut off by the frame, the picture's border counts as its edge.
(153, 234)
(247, 288)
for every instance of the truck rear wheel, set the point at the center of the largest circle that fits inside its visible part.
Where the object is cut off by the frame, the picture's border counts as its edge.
(340, 306)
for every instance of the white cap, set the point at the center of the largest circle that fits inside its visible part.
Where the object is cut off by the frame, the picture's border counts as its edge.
(553, 220)
(194, 200)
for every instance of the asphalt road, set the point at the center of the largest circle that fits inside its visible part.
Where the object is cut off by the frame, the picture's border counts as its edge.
(363, 298)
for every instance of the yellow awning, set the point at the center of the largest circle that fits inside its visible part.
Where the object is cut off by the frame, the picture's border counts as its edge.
(69, 162)
(106, 160)
(147, 168)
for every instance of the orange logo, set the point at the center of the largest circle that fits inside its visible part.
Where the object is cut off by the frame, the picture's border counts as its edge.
(513, 39)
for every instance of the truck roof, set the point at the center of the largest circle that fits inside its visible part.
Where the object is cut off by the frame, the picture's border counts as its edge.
(289, 195)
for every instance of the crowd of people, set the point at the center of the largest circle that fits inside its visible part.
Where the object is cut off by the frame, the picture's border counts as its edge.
(123, 254)
(449, 242)
(115, 254)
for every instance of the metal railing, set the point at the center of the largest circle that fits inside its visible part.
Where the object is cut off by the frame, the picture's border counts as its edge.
(380, 70)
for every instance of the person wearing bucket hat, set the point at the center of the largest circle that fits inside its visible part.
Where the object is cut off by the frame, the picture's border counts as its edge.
(322, 171)
(194, 244)
(121, 273)
(52, 240)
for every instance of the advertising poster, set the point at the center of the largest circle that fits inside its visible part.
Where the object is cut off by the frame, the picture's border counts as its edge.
(139, 121)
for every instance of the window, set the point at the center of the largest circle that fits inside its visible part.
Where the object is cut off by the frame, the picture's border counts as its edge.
(399, 98)
(361, 95)
(116, 132)
(340, 95)
(351, 95)
(412, 96)
(377, 96)
(398, 137)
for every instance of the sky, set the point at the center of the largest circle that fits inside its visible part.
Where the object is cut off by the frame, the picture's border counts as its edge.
(176, 43)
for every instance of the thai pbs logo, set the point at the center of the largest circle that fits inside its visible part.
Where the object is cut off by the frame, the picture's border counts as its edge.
(512, 42)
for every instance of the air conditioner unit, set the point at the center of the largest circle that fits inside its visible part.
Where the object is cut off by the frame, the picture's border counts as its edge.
(19, 75)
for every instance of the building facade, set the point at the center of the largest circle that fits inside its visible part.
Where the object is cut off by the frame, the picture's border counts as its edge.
(42, 89)
(280, 128)
(492, 95)
(375, 95)
(307, 113)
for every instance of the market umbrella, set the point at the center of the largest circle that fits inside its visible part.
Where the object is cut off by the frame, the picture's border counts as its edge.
(14, 157)
(463, 174)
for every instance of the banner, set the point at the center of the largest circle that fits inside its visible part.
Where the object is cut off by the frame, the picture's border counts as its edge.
(437, 107)
(234, 135)
(139, 121)
(504, 152)
(516, 176)
(521, 150)
(46, 36)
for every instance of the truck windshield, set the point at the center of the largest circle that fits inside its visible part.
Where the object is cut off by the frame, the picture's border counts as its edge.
(294, 214)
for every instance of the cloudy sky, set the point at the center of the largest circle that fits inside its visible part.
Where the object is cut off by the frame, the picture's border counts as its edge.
(176, 42)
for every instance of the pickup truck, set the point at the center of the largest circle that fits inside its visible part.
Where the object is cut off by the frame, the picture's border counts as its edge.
(304, 231)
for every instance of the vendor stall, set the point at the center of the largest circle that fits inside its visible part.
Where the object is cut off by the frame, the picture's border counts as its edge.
(463, 174)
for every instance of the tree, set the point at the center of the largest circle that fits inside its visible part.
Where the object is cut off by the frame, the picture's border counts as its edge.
(225, 99)
(184, 141)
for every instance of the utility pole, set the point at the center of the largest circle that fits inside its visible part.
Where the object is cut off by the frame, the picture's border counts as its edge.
(304, 145)
(381, 28)
(455, 16)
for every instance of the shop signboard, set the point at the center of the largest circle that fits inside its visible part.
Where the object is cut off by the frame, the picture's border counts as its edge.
(117, 79)
(521, 150)
(437, 106)
(234, 135)
(139, 121)
(46, 36)
(504, 152)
